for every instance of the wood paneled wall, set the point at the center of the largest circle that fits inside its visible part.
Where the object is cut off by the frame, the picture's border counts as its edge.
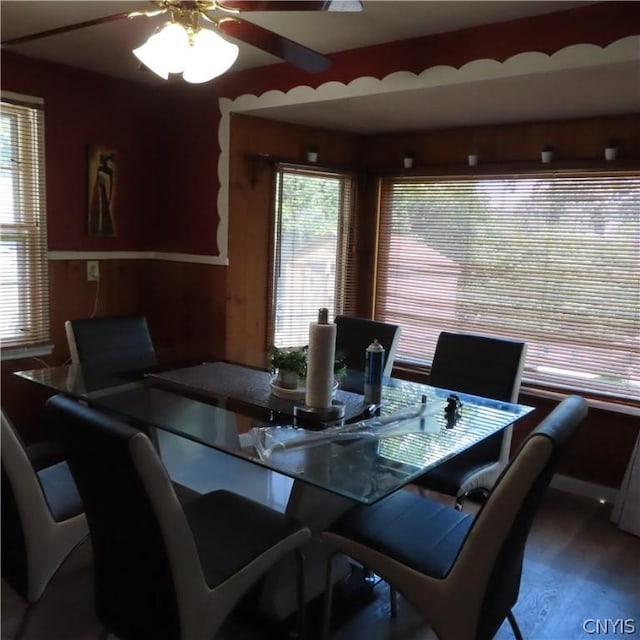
(578, 140)
(72, 296)
(184, 304)
(599, 452)
(185, 307)
(250, 216)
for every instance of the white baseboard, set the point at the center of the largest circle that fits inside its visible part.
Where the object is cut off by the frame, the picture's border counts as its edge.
(583, 488)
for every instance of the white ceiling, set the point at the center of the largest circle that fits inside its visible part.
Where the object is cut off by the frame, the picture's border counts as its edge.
(603, 89)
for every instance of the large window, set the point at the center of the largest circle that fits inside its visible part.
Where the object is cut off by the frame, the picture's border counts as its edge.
(551, 259)
(24, 303)
(311, 250)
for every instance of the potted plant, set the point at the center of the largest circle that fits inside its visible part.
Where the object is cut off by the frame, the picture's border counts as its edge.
(340, 366)
(289, 365)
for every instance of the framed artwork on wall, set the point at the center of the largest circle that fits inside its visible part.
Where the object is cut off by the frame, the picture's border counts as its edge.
(102, 190)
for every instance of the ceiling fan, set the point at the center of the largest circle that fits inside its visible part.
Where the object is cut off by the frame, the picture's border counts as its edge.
(201, 44)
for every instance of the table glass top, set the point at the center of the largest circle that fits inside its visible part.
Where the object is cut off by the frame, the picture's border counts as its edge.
(369, 454)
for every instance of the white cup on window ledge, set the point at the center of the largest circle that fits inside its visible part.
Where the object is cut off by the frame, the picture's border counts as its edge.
(473, 158)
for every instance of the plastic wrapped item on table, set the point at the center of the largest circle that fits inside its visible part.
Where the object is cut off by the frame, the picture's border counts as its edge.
(267, 440)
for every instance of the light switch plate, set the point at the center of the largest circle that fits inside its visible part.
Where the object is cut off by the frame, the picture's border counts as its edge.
(93, 270)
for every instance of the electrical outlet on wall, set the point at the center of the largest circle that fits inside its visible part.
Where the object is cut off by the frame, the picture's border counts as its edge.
(93, 270)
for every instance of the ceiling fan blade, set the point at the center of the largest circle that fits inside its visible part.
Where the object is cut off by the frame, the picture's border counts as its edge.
(290, 5)
(65, 29)
(271, 42)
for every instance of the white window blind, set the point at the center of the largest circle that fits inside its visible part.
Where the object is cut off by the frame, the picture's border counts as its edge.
(24, 294)
(311, 250)
(553, 260)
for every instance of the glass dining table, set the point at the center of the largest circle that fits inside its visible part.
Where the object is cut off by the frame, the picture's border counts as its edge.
(371, 452)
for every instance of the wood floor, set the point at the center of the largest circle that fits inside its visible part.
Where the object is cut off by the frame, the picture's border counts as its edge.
(578, 567)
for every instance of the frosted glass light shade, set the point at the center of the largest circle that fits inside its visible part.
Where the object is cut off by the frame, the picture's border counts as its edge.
(165, 52)
(209, 56)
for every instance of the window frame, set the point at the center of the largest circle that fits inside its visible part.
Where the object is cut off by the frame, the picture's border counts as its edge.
(28, 227)
(417, 367)
(345, 274)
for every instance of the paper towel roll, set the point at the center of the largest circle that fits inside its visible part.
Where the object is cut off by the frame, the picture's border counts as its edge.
(320, 361)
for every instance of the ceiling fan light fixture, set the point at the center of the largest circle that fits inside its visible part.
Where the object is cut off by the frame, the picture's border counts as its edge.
(174, 45)
(209, 56)
(149, 55)
(165, 52)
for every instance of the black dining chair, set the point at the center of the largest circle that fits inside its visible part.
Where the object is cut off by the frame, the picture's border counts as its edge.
(353, 336)
(163, 570)
(108, 346)
(461, 572)
(43, 520)
(111, 343)
(484, 366)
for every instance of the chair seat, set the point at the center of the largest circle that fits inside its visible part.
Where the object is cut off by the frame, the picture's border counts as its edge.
(44, 453)
(60, 491)
(449, 477)
(230, 531)
(393, 525)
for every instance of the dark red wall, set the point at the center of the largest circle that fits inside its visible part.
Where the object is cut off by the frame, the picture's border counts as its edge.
(189, 152)
(81, 109)
(600, 24)
(167, 137)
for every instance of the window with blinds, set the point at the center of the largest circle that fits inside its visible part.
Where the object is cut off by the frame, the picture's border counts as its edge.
(24, 293)
(312, 239)
(549, 259)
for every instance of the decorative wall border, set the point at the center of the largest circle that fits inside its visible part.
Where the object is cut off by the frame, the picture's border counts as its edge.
(530, 62)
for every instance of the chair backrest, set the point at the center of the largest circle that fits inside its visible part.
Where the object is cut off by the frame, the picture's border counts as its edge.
(479, 365)
(353, 336)
(135, 591)
(31, 551)
(482, 366)
(20, 489)
(110, 344)
(490, 561)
